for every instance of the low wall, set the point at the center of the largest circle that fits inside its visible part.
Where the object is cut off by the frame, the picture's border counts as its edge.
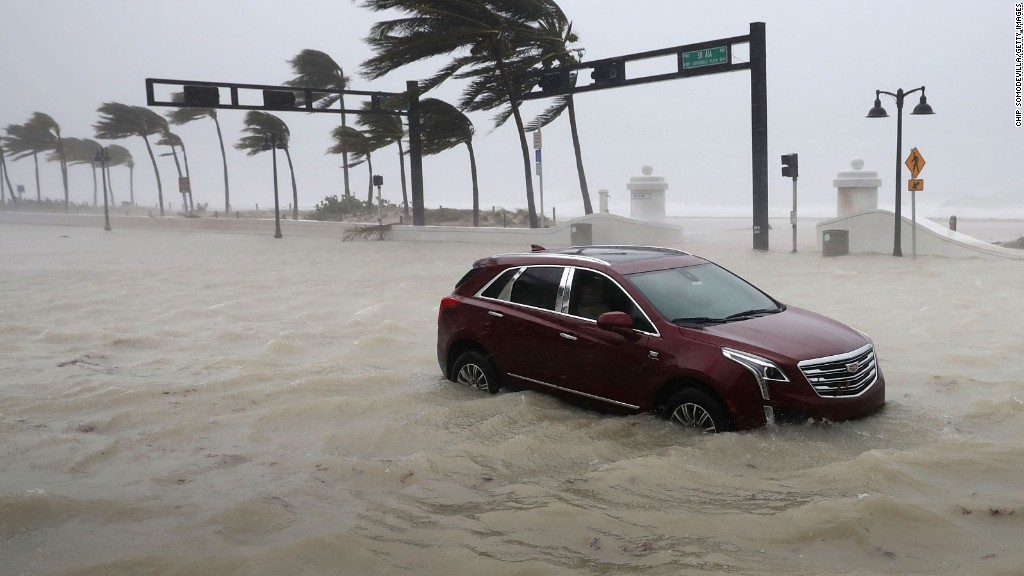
(872, 232)
(604, 229)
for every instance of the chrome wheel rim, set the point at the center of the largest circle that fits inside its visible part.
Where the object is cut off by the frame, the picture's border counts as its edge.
(694, 416)
(473, 375)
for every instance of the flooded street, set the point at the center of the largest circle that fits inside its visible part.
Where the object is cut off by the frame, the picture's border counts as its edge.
(196, 403)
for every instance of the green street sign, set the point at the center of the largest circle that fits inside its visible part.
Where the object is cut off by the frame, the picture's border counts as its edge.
(702, 58)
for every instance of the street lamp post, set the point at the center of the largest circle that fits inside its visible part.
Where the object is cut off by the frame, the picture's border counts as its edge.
(270, 143)
(103, 159)
(878, 112)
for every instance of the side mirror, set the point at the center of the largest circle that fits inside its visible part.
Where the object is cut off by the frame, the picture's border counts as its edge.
(618, 322)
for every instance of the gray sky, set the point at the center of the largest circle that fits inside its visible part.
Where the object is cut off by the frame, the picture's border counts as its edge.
(825, 61)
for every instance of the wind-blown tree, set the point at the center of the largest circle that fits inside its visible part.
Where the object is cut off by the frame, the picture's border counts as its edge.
(51, 131)
(81, 151)
(351, 141)
(382, 130)
(316, 69)
(480, 36)
(181, 116)
(40, 134)
(7, 178)
(174, 141)
(442, 127)
(118, 121)
(120, 156)
(258, 128)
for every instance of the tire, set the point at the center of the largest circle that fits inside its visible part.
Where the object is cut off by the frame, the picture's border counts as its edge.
(692, 408)
(476, 371)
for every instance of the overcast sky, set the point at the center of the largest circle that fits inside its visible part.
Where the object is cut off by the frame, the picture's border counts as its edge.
(825, 61)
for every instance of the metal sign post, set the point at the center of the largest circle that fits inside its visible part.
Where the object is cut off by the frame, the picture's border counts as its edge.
(915, 162)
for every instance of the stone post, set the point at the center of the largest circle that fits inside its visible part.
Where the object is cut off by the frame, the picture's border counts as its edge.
(647, 196)
(857, 189)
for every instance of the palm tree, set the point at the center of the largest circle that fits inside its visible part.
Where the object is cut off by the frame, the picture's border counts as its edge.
(174, 141)
(7, 177)
(442, 127)
(181, 116)
(316, 69)
(258, 127)
(48, 128)
(352, 141)
(384, 129)
(79, 151)
(119, 121)
(485, 35)
(120, 156)
(24, 140)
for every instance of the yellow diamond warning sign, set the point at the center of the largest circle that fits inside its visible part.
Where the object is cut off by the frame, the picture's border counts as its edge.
(915, 162)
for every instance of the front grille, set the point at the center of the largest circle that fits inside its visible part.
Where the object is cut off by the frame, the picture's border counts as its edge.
(844, 375)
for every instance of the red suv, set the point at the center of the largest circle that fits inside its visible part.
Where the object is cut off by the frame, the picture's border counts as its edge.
(642, 329)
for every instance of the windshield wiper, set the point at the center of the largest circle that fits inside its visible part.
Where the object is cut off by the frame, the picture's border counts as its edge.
(699, 320)
(752, 313)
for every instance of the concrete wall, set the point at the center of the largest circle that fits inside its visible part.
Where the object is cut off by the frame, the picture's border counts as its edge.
(605, 228)
(872, 232)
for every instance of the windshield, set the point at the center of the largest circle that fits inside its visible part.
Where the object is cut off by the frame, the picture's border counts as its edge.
(702, 294)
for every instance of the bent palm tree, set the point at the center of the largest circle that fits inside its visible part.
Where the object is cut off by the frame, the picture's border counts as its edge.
(24, 140)
(315, 69)
(118, 121)
(442, 127)
(181, 116)
(7, 178)
(50, 130)
(78, 151)
(174, 142)
(382, 130)
(120, 156)
(348, 140)
(486, 35)
(258, 127)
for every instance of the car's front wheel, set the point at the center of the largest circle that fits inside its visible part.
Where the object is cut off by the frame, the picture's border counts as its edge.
(692, 408)
(476, 370)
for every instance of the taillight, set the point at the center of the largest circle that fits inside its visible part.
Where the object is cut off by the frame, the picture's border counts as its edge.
(447, 303)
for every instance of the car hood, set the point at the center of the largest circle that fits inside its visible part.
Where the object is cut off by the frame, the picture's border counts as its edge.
(795, 334)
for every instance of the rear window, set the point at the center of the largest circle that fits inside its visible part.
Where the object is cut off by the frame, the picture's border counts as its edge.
(536, 286)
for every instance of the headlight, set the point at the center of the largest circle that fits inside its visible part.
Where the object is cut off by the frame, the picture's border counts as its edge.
(762, 368)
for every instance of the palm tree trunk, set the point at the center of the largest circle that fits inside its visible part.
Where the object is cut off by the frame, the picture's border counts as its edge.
(369, 164)
(588, 208)
(344, 155)
(110, 186)
(191, 203)
(95, 188)
(224, 159)
(63, 169)
(39, 190)
(401, 168)
(7, 178)
(295, 188)
(156, 171)
(513, 101)
(131, 183)
(476, 189)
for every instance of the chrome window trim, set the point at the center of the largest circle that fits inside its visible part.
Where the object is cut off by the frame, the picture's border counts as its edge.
(577, 392)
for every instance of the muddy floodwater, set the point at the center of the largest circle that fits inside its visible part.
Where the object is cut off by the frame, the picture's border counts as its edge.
(195, 403)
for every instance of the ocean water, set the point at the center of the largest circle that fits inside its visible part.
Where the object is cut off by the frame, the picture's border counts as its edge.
(195, 403)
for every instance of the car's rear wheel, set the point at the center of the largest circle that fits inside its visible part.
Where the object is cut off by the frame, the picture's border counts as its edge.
(692, 408)
(476, 370)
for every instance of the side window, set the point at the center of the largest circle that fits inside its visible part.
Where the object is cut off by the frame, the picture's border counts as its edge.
(535, 286)
(500, 285)
(594, 294)
(538, 287)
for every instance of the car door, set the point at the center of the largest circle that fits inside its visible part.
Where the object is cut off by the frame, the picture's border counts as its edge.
(594, 362)
(524, 324)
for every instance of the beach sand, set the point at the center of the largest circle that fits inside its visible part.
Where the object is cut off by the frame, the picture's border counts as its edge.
(198, 403)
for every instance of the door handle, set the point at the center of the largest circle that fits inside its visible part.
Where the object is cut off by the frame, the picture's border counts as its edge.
(567, 336)
(495, 314)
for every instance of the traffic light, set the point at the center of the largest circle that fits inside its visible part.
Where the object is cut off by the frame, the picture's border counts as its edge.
(790, 166)
(279, 99)
(554, 80)
(201, 95)
(611, 72)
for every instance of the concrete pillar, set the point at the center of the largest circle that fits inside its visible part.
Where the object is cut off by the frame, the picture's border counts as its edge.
(602, 201)
(857, 189)
(647, 196)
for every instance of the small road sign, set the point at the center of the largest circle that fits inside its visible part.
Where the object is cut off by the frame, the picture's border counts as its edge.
(915, 162)
(706, 57)
(915, 185)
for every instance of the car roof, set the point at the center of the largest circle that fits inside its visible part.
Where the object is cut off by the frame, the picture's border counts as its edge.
(624, 259)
